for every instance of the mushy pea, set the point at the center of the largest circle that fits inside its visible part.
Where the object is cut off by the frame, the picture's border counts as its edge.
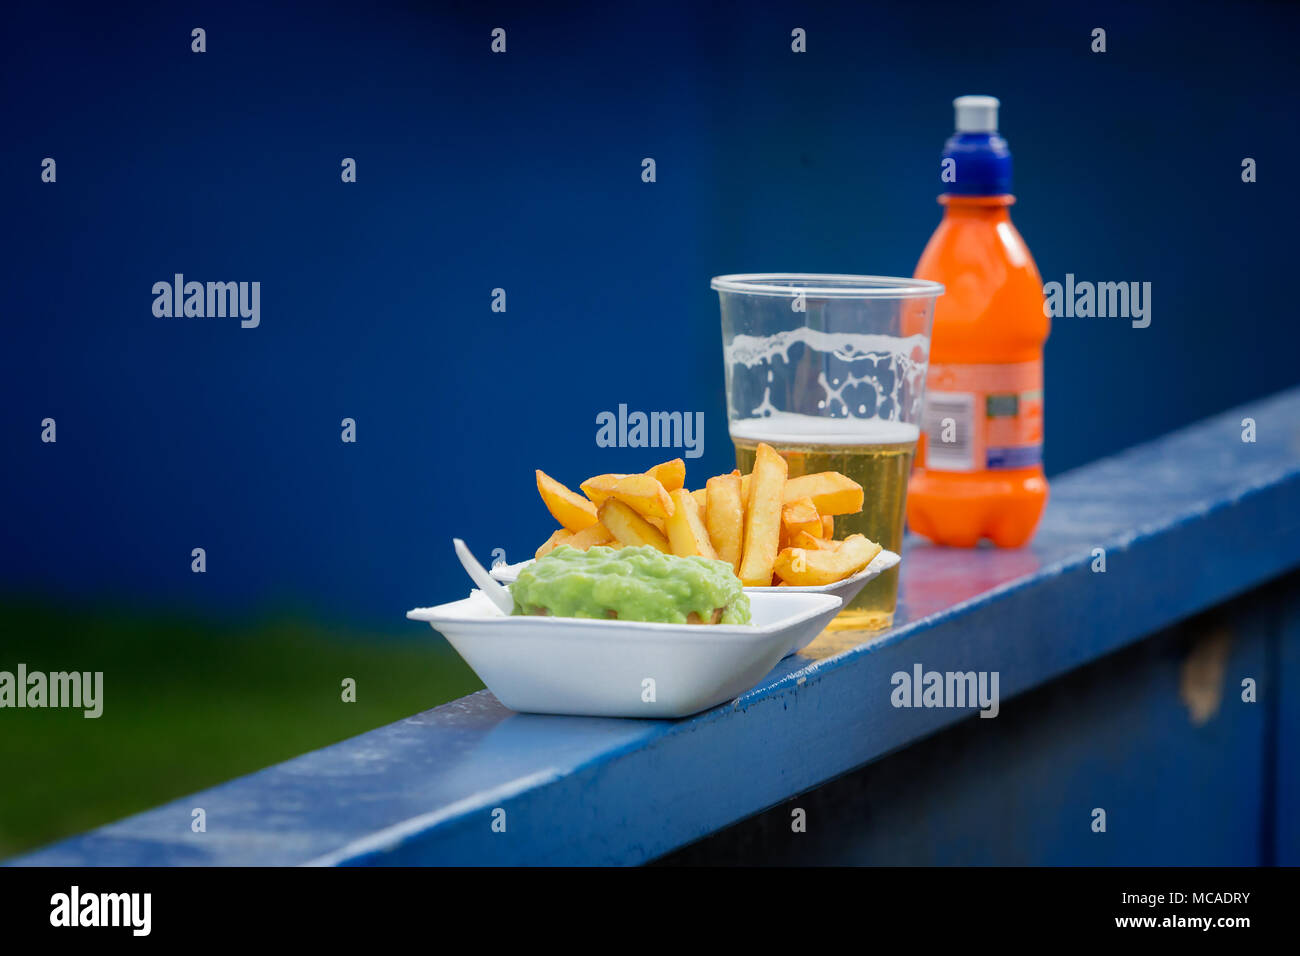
(632, 584)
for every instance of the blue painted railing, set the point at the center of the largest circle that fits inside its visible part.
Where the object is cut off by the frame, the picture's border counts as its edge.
(1158, 737)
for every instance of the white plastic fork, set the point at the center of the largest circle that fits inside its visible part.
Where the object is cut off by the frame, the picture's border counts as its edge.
(497, 594)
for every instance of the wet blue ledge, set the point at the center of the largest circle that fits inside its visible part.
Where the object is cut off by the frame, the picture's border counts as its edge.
(1187, 521)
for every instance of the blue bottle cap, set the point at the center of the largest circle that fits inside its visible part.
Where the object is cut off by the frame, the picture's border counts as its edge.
(980, 158)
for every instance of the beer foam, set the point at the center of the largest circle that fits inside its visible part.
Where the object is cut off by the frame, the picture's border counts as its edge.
(789, 428)
(862, 376)
(751, 350)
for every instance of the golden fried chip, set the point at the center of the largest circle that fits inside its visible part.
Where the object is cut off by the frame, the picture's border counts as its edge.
(629, 527)
(686, 532)
(724, 516)
(558, 537)
(763, 517)
(643, 493)
(567, 507)
(670, 474)
(809, 568)
(831, 492)
(589, 537)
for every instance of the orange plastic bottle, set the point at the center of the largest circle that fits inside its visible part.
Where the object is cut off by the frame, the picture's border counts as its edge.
(979, 471)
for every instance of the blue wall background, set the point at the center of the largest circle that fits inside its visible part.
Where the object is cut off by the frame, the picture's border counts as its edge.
(522, 171)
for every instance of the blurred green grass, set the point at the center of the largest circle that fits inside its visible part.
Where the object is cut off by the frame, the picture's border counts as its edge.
(189, 704)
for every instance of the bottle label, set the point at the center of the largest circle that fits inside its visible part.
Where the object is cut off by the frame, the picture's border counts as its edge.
(984, 417)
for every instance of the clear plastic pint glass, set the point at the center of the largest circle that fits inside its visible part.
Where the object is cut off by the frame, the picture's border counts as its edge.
(830, 371)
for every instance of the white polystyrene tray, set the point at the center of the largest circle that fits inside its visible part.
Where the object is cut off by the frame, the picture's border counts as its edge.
(607, 668)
